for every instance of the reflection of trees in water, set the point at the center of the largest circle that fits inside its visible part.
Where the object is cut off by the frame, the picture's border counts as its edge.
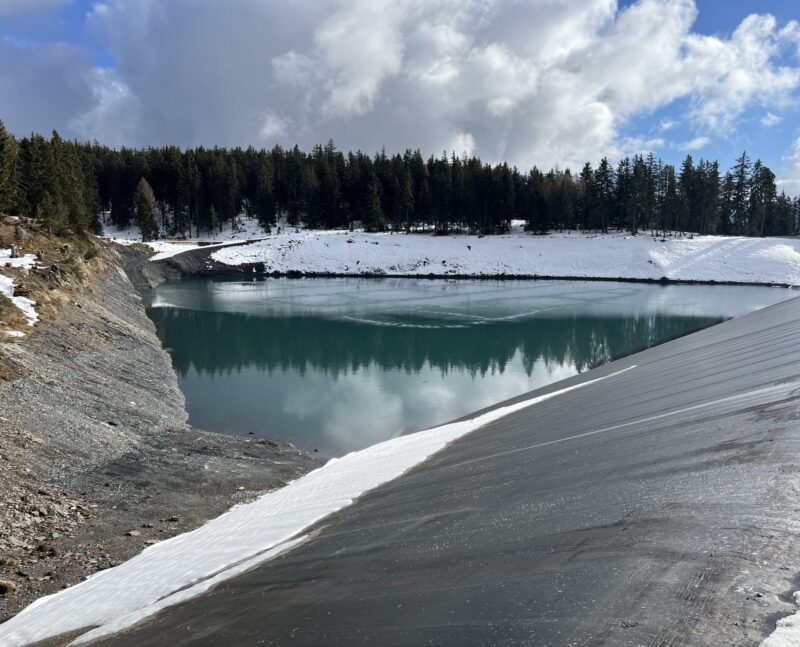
(216, 342)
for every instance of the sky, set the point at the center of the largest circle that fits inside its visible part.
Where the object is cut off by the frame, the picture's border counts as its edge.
(530, 82)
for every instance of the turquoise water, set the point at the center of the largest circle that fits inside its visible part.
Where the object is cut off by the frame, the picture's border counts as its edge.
(340, 364)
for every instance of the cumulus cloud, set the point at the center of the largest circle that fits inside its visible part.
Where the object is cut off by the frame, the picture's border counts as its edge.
(361, 45)
(696, 144)
(113, 115)
(770, 119)
(736, 73)
(463, 144)
(273, 126)
(667, 124)
(536, 82)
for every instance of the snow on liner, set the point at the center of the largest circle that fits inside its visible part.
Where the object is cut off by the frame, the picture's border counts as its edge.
(243, 537)
(606, 256)
(787, 631)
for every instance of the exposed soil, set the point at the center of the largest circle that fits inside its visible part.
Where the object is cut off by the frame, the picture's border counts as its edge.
(97, 460)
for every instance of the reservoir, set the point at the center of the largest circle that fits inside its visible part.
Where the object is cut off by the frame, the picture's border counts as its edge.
(338, 364)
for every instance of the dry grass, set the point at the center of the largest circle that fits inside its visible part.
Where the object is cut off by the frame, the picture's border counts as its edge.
(65, 267)
(11, 318)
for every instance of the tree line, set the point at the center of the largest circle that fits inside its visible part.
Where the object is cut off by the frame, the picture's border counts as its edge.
(75, 186)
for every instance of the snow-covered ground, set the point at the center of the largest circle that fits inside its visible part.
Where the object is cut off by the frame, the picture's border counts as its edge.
(186, 566)
(26, 305)
(611, 256)
(564, 255)
(246, 229)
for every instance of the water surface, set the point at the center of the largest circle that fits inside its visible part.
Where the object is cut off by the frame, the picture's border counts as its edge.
(339, 364)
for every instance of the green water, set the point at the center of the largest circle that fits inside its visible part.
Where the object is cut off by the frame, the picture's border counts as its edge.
(339, 364)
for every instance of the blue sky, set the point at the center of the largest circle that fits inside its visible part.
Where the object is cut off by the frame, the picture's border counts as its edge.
(519, 82)
(722, 17)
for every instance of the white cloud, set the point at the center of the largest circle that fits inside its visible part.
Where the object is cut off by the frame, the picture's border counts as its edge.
(696, 144)
(790, 180)
(639, 146)
(463, 143)
(736, 73)
(770, 119)
(112, 118)
(535, 82)
(362, 45)
(667, 125)
(272, 127)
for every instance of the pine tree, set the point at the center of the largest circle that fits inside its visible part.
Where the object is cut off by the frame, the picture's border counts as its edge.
(65, 185)
(604, 179)
(374, 219)
(146, 218)
(406, 199)
(710, 205)
(783, 223)
(740, 198)
(8, 175)
(625, 198)
(672, 202)
(726, 208)
(213, 219)
(264, 199)
(763, 195)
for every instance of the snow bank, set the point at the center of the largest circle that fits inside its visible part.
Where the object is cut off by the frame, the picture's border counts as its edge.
(243, 537)
(247, 229)
(25, 304)
(609, 256)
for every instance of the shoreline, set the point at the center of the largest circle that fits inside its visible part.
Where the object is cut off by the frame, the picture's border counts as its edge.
(198, 263)
(514, 257)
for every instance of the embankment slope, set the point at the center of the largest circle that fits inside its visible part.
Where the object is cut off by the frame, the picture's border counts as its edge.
(96, 457)
(656, 507)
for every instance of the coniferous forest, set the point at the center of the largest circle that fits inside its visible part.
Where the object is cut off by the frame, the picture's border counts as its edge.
(75, 187)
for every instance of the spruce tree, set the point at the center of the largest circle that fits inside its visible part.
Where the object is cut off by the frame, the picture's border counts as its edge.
(740, 198)
(264, 198)
(604, 180)
(406, 199)
(146, 211)
(763, 195)
(8, 176)
(374, 219)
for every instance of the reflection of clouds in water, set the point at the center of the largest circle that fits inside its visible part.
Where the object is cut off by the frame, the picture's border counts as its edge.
(339, 364)
(370, 405)
(352, 412)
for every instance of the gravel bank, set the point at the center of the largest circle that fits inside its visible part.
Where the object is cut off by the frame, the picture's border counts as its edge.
(96, 457)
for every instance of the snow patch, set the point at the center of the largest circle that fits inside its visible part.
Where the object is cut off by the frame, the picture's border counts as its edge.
(246, 229)
(26, 305)
(243, 537)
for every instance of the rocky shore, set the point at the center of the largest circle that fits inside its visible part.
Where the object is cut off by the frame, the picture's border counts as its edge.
(97, 460)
